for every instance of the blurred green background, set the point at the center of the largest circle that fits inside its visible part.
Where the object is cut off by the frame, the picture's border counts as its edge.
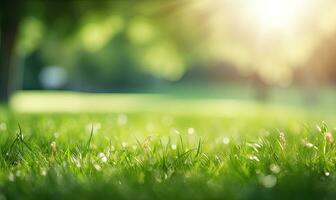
(206, 48)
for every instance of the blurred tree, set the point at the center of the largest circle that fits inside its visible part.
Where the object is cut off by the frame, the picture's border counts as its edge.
(59, 17)
(319, 69)
(11, 14)
(63, 18)
(116, 42)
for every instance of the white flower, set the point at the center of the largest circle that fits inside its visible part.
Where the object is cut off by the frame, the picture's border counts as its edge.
(327, 173)
(102, 157)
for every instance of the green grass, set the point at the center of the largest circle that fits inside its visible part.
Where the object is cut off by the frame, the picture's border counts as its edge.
(163, 147)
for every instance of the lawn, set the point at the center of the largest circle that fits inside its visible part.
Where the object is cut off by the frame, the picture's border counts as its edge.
(144, 146)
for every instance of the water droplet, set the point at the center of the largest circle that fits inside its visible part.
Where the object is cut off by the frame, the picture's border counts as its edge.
(11, 177)
(124, 144)
(43, 172)
(191, 131)
(226, 140)
(268, 181)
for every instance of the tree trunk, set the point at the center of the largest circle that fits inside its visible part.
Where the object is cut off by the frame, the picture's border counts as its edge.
(9, 22)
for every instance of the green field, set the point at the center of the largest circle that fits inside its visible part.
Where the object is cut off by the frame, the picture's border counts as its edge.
(145, 146)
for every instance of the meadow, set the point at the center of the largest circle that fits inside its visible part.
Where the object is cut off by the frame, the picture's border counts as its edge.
(142, 146)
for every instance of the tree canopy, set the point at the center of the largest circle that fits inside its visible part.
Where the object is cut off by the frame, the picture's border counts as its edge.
(128, 39)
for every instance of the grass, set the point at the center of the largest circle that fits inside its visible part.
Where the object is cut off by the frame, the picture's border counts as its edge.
(161, 147)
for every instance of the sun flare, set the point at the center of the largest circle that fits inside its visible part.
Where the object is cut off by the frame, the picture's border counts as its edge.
(276, 15)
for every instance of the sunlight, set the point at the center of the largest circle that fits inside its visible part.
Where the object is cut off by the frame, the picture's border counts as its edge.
(272, 37)
(277, 16)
